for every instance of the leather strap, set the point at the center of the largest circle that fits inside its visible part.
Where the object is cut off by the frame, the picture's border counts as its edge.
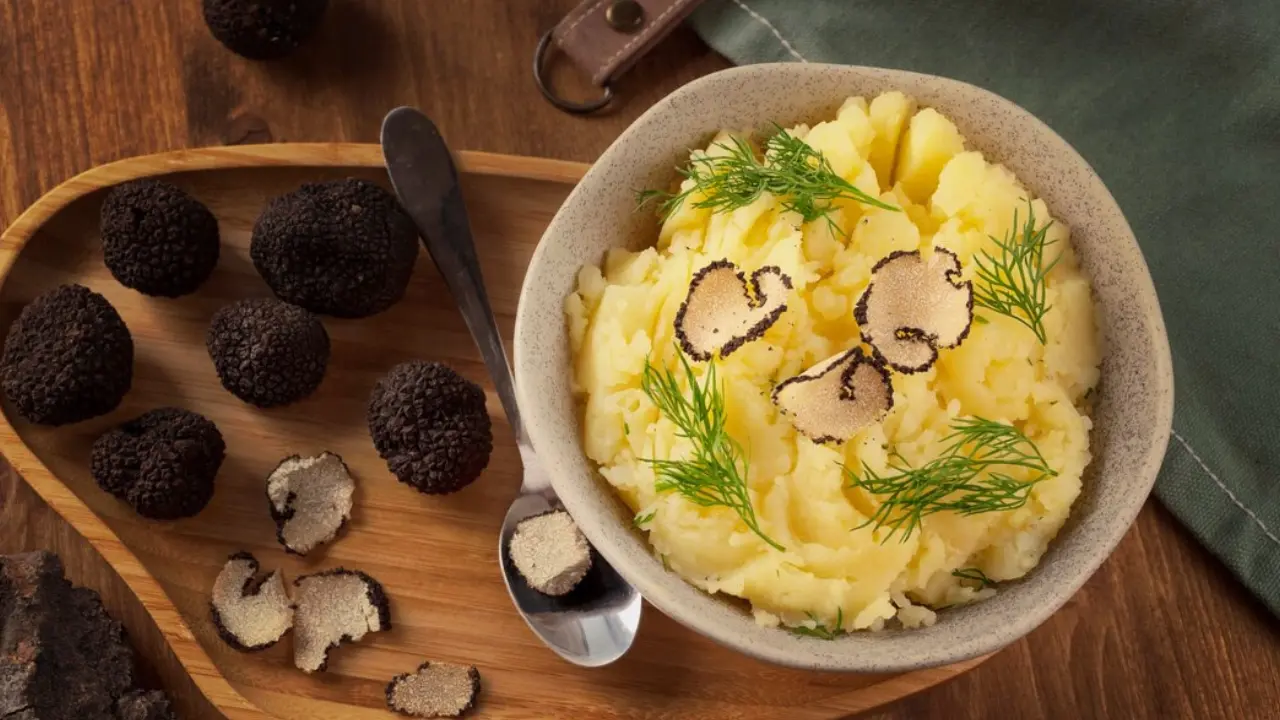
(597, 39)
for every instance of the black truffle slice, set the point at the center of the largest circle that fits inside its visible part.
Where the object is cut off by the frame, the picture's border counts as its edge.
(250, 612)
(913, 307)
(157, 239)
(437, 689)
(343, 248)
(334, 607)
(310, 500)
(268, 353)
(144, 705)
(431, 426)
(550, 552)
(162, 463)
(837, 397)
(263, 29)
(68, 357)
(723, 311)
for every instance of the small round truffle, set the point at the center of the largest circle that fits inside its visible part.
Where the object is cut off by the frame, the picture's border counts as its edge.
(162, 463)
(263, 29)
(157, 239)
(436, 689)
(550, 552)
(68, 357)
(251, 612)
(268, 353)
(431, 426)
(343, 248)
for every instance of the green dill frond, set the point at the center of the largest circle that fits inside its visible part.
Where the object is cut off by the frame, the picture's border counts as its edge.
(642, 520)
(821, 631)
(974, 575)
(1014, 282)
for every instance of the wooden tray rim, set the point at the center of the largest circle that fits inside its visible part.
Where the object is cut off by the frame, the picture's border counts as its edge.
(190, 653)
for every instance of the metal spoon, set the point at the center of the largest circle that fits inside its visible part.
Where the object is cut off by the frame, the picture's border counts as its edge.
(596, 623)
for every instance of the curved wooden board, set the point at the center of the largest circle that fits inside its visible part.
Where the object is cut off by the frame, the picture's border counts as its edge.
(434, 555)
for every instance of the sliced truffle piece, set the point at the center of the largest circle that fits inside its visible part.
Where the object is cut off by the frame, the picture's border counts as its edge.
(268, 353)
(837, 397)
(263, 29)
(162, 463)
(333, 607)
(437, 689)
(550, 552)
(913, 307)
(343, 248)
(250, 612)
(431, 426)
(68, 357)
(157, 239)
(144, 705)
(310, 500)
(723, 311)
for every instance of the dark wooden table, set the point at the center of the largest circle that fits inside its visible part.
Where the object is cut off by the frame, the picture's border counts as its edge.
(1162, 631)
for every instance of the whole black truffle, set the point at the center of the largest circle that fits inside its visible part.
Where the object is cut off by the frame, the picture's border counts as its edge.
(157, 239)
(431, 426)
(343, 248)
(68, 357)
(162, 463)
(263, 29)
(268, 353)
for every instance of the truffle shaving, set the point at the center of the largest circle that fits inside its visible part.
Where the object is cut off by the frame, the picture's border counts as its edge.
(250, 612)
(914, 307)
(436, 690)
(311, 500)
(550, 552)
(837, 397)
(333, 607)
(723, 311)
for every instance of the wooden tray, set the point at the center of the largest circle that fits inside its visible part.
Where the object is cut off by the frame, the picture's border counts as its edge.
(435, 556)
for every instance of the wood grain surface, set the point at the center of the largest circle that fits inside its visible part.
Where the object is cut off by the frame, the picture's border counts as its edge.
(1162, 631)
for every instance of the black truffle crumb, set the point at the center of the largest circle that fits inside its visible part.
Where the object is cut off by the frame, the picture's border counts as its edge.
(431, 426)
(343, 248)
(268, 353)
(434, 690)
(144, 705)
(68, 357)
(263, 29)
(157, 239)
(162, 463)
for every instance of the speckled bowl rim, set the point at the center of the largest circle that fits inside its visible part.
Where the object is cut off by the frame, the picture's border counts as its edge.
(1135, 397)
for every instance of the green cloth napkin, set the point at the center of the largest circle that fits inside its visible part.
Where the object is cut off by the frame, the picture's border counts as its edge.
(1176, 104)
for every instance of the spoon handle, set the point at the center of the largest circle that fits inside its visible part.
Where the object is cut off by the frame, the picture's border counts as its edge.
(426, 180)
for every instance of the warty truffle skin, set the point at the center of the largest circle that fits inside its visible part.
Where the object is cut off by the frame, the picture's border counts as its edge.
(263, 29)
(68, 357)
(157, 239)
(343, 248)
(268, 353)
(162, 463)
(431, 426)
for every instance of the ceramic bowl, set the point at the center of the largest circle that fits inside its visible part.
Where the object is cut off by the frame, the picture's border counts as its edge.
(1135, 397)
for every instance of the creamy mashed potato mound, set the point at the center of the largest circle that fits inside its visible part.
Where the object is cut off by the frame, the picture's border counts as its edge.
(622, 314)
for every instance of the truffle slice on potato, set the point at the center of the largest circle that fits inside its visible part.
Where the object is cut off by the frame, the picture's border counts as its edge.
(268, 353)
(263, 29)
(837, 397)
(67, 358)
(436, 689)
(250, 613)
(550, 552)
(157, 239)
(333, 607)
(915, 306)
(310, 500)
(723, 311)
(162, 463)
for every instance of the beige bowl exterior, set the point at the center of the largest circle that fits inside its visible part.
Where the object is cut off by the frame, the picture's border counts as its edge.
(1135, 397)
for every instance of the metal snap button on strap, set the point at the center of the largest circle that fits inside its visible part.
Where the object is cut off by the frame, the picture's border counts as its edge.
(603, 39)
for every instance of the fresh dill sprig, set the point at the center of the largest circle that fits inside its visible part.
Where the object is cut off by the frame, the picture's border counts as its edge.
(645, 519)
(1013, 282)
(820, 631)
(974, 575)
(792, 171)
(716, 473)
(969, 477)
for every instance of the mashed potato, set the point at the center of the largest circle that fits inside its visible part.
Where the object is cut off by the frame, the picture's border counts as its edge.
(622, 314)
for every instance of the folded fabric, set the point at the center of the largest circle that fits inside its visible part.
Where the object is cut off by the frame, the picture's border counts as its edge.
(1176, 104)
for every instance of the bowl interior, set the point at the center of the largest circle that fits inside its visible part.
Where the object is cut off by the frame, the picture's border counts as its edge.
(1133, 407)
